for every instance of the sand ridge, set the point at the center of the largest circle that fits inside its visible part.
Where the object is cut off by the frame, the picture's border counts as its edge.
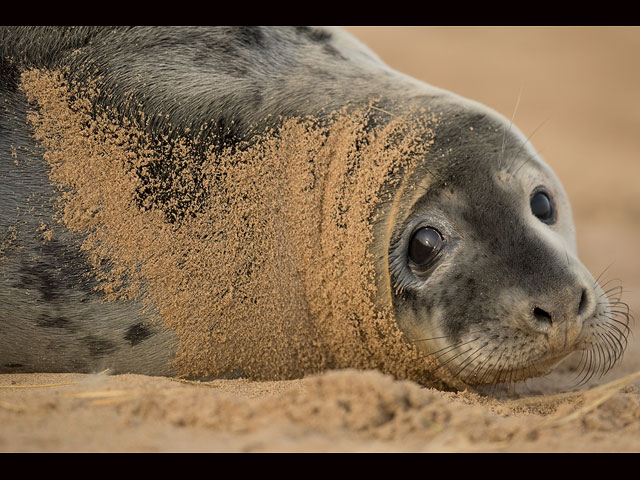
(346, 410)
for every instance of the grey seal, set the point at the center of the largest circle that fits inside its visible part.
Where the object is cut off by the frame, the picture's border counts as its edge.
(475, 251)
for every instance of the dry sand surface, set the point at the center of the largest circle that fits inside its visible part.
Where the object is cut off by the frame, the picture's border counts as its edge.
(579, 92)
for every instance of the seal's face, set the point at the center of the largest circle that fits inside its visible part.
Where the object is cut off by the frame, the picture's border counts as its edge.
(483, 268)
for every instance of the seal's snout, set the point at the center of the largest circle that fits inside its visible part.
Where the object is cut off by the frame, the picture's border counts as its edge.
(564, 315)
(578, 307)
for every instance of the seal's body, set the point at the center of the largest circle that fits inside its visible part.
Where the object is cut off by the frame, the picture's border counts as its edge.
(476, 253)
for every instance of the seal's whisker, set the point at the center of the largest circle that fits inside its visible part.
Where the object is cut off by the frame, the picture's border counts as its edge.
(616, 333)
(604, 359)
(507, 378)
(619, 302)
(605, 353)
(449, 360)
(480, 366)
(614, 303)
(602, 285)
(588, 364)
(608, 329)
(525, 143)
(602, 273)
(588, 367)
(619, 294)
(434, 329)
(619, 307)
(626, 312)
(616, 348)
(614, 294)
(500, 371)
(504, 134)
(617, 288)
(442, 365)
(596, 361)
(616, 299)
(611, 300)
(448, 349)
(385, 111)
(491, 372)
(465, 362)
(469, 360)
(487, 373)
(443, 336)
(610, 350)
(618, 316)
(626, 317)
(621, 313)
(427, 339)
(624, 324)
(503, 377)
(582, 359)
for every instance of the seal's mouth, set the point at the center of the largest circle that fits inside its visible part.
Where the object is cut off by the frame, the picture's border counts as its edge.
(507, 367)
(503, 353)
(514, 374)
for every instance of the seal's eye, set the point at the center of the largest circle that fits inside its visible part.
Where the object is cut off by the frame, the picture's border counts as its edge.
(425, 245)
(542, 207)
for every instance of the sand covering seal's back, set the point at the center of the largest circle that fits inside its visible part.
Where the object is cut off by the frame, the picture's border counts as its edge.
(269, 272)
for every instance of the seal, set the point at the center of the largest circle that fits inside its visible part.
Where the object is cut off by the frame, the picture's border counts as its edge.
(474, 266)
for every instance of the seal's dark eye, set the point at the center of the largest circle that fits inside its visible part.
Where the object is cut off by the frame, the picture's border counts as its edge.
(425, 246)
(542, 207)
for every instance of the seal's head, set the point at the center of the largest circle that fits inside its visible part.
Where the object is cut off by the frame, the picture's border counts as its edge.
(482, 264)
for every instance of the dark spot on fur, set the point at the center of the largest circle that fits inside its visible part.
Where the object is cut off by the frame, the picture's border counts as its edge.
(331, 50)
(58, 321)
(137, 333)
(408, 295)
(60, 268)
(424, 306)
(99, 347)
(256, 99)
(314, 34)
(39, 275)
(250, 36)
(229, 53)
(446, 301)
(470, 287)
(13, 365)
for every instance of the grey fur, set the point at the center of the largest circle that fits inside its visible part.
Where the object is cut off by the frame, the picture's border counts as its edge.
(232, 82)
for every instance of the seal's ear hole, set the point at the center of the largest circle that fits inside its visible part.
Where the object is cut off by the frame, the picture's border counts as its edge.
(542, 207)
(425, 245)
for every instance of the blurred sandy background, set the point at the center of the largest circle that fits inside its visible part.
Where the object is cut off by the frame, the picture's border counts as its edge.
(584, 85)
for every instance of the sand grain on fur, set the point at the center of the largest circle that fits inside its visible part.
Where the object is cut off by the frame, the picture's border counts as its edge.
(259, 258)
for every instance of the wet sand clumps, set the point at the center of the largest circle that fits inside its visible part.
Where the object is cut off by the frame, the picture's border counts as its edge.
(258, 258)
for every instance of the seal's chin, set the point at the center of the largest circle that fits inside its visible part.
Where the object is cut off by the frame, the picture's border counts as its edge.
(514, 373)
(518, 355)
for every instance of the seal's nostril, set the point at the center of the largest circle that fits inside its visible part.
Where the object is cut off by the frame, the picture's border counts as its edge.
(542, 316)
(583, 302)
